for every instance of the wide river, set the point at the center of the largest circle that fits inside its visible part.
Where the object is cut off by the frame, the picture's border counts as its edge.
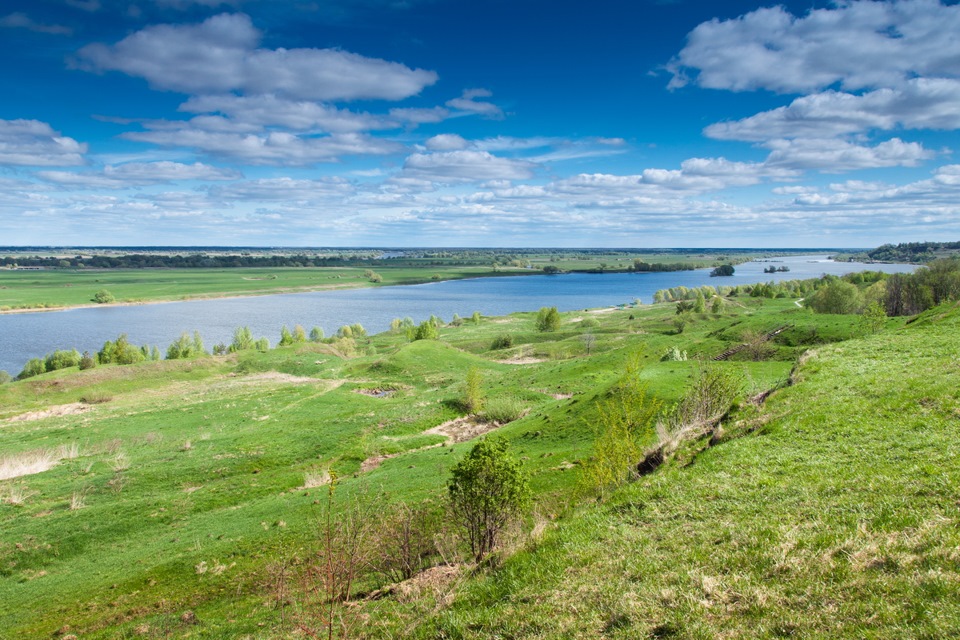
(29, 335)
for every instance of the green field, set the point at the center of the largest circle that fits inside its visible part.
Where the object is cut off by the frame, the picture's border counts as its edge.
(70, 287)
(185, 488)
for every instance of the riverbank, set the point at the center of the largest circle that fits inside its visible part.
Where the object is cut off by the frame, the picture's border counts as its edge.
(41, 291)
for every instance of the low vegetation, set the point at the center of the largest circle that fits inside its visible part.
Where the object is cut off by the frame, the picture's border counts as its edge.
(467, 485)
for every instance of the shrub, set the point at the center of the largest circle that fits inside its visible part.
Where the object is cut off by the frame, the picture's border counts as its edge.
(34, 367)
(61, 360)
(316, 334)
(487, 490)
(837, 297)
(103, 297)
(242, 340)
(503, 409)
(503, 341)
(426, 331)
(472, 400)
(5, 377)
(589, 323)
(548, 319)
(723, 270)
(405, 540)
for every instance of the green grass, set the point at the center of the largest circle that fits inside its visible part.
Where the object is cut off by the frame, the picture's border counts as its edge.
(832, 512)
(73, 287)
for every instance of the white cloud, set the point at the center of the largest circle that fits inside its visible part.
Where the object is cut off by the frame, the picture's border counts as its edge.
(35, 143)
(469, 104)
(269, 110)
(921, 103)
(286, 190)
(20, 20)
(135, 174)
(221, 55)
(834, 155)
(446, 142)
(272, 148)
(857, 44)
(464, 166)
(420, 116)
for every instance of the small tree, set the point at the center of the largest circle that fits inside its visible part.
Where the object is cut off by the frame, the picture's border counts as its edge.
(873, 318)
(103, 297)
(426, 331)
(286, 338)
(87, 361)
(242, 340)
(473, 391)
(475, 317)
(548, 319)
(316, 334)
(717, 306)
(700, 306)
(588, 340)
(487, 490)
(299, 335)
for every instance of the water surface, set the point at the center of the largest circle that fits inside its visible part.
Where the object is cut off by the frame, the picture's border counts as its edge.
(28, 335)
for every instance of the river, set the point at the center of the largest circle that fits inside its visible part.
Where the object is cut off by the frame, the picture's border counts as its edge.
(29, 335)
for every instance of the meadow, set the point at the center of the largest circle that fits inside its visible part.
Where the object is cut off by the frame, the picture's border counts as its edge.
(176, 495)
(67, 286)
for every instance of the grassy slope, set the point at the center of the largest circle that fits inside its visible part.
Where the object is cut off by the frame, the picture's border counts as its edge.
(232, 499)
(837, 517)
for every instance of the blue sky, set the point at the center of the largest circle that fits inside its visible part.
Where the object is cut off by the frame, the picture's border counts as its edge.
(623, 123)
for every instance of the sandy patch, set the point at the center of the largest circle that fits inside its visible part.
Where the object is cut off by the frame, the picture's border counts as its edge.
(607, 310)
(562, 396)
(276, 376)
(522, 360)
(52, 412)
(462, 429)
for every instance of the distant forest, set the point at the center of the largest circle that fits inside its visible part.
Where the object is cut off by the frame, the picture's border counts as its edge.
(919, 252)
(201, 258)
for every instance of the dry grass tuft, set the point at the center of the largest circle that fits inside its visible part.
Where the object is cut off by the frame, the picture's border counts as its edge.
(38, 461)
(314, 479)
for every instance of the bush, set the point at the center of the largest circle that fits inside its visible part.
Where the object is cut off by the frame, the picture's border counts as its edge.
(837, 297)
(503, 409)
(426, 331)
(548, 319)
(242, 340)
(103, 297)
(61, 360)
(472, 400)
(34, 367)
(589, 323)
(5, 377)
(723, 270)
(503, 341)
(487, 490)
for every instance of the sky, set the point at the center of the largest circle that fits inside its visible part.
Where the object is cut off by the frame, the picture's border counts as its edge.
(513, 123)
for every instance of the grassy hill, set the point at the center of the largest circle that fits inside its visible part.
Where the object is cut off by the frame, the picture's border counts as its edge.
(178, 491)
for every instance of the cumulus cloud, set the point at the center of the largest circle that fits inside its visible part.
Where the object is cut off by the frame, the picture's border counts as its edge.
(446, 142)
(464, 166)
(834, 155)
(469, 104)
(271, 148)
(268, 110)
(222, 55)
(920, 103)
(285, 190)
(857, 44)
(136, 174)
(19, 20)
(35, 143)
